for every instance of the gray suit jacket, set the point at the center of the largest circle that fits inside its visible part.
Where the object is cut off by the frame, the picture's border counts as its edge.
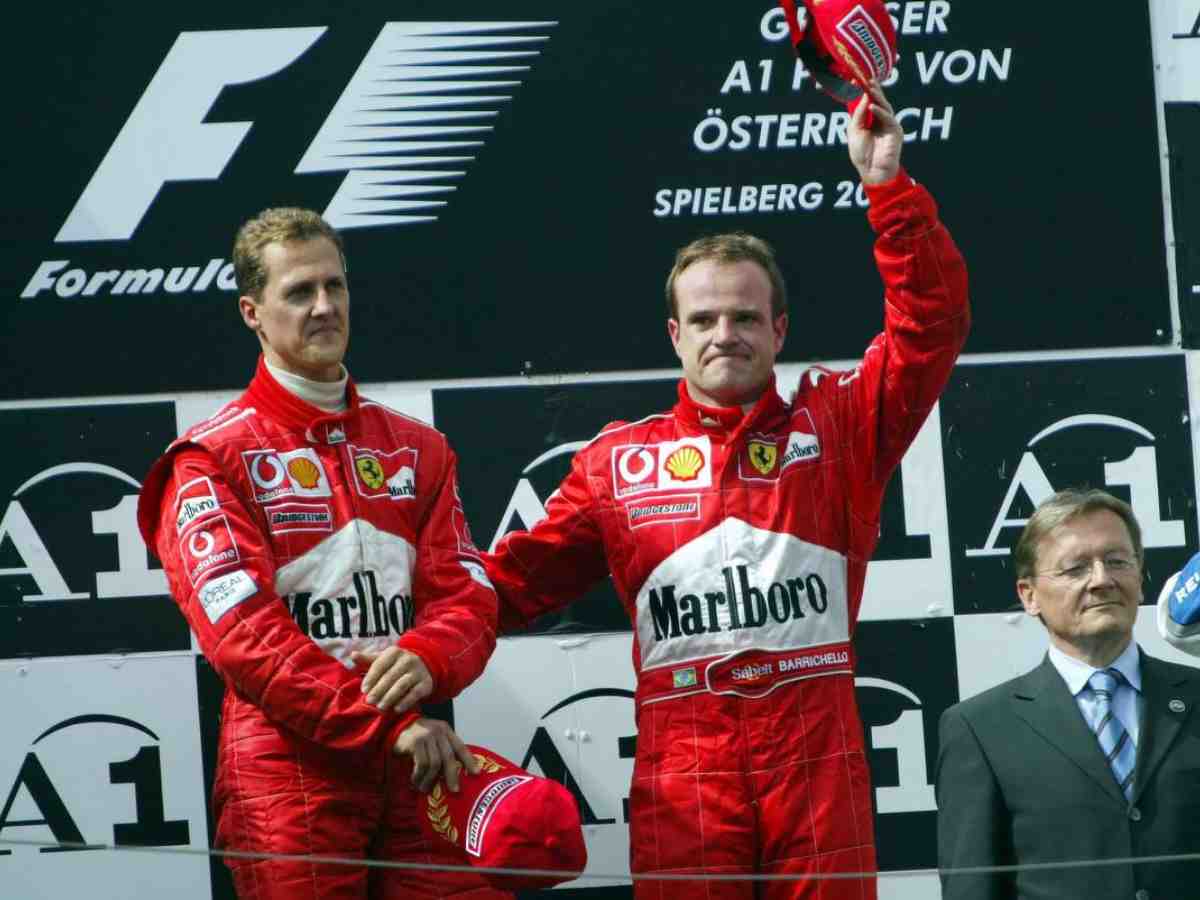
(1021, 779)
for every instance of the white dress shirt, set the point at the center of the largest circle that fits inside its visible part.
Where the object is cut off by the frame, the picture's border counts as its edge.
(1127, 704)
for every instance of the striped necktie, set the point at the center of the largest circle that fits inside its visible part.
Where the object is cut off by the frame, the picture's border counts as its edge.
(1115, 742)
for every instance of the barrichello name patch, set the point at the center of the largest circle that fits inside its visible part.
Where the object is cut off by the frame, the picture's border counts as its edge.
(736, 588)
(663, 509)
(193, 501)
(380, 475)
(485, 806)
(669, 466)
(757, 673)
(299, 517)
(296, 473)
(800, 663)
(220, 595)
(208, 547)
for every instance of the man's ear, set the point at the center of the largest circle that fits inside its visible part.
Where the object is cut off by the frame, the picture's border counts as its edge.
(673, 333)
(780, 326)
(248, 307)
(1028, 596)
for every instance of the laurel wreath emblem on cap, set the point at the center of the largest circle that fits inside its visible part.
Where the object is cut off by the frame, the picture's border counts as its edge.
(487, 763)
(439, 811)
(439, 815)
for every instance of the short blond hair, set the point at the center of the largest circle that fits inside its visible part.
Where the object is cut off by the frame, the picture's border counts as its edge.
(731, 247)
(277, 225)
(1062, 507)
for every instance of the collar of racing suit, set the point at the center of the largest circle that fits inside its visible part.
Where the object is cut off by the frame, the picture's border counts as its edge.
(727, 423)
(269, 396)
(329, 396)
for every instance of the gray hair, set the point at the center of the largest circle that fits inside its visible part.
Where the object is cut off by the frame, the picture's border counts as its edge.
(1062, 507)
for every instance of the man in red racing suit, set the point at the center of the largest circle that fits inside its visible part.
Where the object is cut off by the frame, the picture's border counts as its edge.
(737, 530)
(299, 541)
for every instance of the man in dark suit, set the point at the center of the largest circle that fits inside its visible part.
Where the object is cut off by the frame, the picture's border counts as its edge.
(1093, 755)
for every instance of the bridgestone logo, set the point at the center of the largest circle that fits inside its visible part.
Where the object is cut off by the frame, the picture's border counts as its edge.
(306, 518)
(481, 812)
(685, 507)
(868, 42)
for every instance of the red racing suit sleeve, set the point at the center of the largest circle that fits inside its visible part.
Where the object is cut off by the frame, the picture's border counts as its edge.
(543, 569)
(926, 320)
(455, 625)
(244, 627)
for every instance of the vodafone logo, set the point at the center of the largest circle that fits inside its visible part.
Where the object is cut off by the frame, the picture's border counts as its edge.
(201, 544)
(644, 468)
(267, 472)
(208, 548)
(639, 468)
(292, 473)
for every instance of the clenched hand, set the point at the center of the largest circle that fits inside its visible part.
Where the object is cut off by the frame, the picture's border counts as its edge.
(875, 151)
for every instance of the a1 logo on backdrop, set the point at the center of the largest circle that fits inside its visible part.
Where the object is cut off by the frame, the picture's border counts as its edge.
(68, 532)
(906, 678)
(142, 770)
(100, 752)
(1120, 425)
(1194, 32)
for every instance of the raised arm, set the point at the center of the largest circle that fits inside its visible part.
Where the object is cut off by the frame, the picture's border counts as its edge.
(926, 316)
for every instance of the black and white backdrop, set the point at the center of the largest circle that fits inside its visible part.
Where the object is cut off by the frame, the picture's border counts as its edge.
(510, 209)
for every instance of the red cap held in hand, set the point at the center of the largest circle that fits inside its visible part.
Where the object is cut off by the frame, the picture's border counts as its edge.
(505, 818)
(844, 44)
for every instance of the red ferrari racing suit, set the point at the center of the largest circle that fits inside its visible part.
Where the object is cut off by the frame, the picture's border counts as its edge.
(738, 544)
(292, 537)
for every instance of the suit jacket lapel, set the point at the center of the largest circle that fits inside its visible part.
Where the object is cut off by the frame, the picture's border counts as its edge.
(1042, 699)
(1161, 688)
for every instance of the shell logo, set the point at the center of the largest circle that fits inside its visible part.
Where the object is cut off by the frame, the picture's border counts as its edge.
(685, 463)
(304, 471)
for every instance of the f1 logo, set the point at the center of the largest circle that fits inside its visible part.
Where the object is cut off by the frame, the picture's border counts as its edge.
(166, 137)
